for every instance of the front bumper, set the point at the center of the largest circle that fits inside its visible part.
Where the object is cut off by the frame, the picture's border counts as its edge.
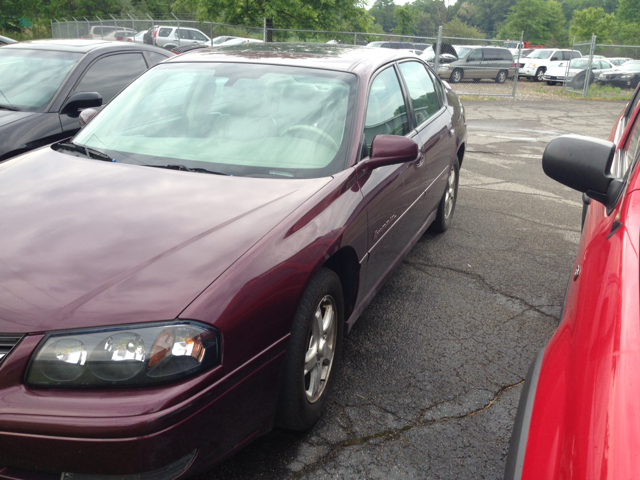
(132, 431)
(552, 78)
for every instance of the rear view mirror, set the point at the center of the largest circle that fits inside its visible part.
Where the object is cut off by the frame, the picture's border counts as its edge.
(583, 163)
(75, 102)
(389, 150)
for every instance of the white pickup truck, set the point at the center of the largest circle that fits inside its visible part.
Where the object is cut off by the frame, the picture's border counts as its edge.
(540, 60)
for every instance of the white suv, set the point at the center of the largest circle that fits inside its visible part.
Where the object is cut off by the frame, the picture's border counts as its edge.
(540, 60)
(170, 37)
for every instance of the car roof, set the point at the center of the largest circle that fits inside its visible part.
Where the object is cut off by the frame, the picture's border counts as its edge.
(330, 57)
(77, 45)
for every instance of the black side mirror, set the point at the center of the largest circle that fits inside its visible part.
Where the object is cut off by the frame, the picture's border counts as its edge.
(79, 100)
(582, 163)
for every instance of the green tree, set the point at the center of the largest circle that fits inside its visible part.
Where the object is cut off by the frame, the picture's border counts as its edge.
(457, 28)
(303, 14)
(491, 13)
(628, 34)
(466, 13)
(405, 19)
(629, 11)
(382, 12)
(541, 20)
(592, 21)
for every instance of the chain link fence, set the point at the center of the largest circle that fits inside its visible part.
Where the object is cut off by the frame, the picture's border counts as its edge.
(602, 65)
(475, 67)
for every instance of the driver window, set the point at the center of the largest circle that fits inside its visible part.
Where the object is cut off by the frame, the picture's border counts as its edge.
(556, 57)
(386, 110)
(475, 56)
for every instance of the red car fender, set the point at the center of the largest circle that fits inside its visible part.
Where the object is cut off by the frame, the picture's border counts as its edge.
(579, 414)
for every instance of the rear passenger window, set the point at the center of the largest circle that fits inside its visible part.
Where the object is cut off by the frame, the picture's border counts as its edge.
(386, 110)
(109, 75)
(575, 54)
(164, 32)
(421, 90)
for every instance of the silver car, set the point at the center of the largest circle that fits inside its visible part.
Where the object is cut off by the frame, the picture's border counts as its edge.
(170, 37)
(478, 62)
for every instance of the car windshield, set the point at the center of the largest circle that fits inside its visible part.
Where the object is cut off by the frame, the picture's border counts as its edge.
(579, 63)
(234, 41)
(510, 44)
(540, 54)
(219, 40)
(30, 78)
(630, 67)
(236, 119)
(462, 51)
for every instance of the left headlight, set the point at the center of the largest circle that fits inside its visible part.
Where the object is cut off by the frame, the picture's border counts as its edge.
(135, 355)
(628, 76)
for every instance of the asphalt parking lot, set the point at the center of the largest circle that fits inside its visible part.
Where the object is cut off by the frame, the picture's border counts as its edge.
(433, 369)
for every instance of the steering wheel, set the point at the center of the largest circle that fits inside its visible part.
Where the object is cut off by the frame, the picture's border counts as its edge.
(306, 131)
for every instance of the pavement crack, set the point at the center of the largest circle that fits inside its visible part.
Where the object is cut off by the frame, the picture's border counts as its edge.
(420, 266)
(390, 433)
(576, 230)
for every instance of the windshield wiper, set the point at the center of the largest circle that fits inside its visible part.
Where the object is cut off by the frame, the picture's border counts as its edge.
(184, 168)
(9, 107)
(88, 152)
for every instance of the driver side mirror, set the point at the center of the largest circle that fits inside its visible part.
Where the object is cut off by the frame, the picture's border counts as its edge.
(389, 150)
(79, 100)
(583, 163)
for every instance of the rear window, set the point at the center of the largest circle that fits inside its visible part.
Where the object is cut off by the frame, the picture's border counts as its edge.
(164, 32)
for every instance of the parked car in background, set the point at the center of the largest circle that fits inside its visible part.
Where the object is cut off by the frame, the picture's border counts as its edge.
(221, 39)
(100, 31)
(170, 37)
(6, 40)
(578, 412)
(539, 61)
(138, 37)
(399, 45)
(626, 75)
(575, 74)
(617, 61)
(160, 310)
(477, 62)
(238, 41)
(45, 83)
(120, 34)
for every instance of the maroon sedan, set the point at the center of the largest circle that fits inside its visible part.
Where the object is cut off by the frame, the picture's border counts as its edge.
(178, 277)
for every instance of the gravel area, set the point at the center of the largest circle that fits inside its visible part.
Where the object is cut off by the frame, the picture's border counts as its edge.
(526, 90)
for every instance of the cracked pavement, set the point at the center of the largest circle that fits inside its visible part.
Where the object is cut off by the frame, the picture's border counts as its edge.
(432, 371)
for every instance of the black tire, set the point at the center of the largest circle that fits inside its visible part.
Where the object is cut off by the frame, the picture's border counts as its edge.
(476, 80)
(456, 76)
(444, 217)
(502, 76)
(538, 76)
(296, 410)
(578, 81)
(551, 84)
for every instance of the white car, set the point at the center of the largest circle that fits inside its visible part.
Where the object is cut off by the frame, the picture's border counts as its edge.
(138, 37)
(560, 74)
(540, 60)
(617, 61)
(239, 41)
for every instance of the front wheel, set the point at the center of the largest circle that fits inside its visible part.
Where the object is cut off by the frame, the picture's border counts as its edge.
(456, 76)
(447, 205)
(501, 77)
(313, 353)
(539, 75)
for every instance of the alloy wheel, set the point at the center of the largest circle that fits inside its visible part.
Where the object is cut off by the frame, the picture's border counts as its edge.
(318, 359)
(450, 194)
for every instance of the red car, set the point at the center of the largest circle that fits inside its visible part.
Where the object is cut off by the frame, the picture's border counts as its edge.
(178, 276)
(579, 413)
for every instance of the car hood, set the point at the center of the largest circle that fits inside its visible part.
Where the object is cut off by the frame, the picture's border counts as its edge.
(90, 243)
(8, 116)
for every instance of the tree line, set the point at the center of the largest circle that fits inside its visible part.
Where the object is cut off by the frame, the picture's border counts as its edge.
(548, 22)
